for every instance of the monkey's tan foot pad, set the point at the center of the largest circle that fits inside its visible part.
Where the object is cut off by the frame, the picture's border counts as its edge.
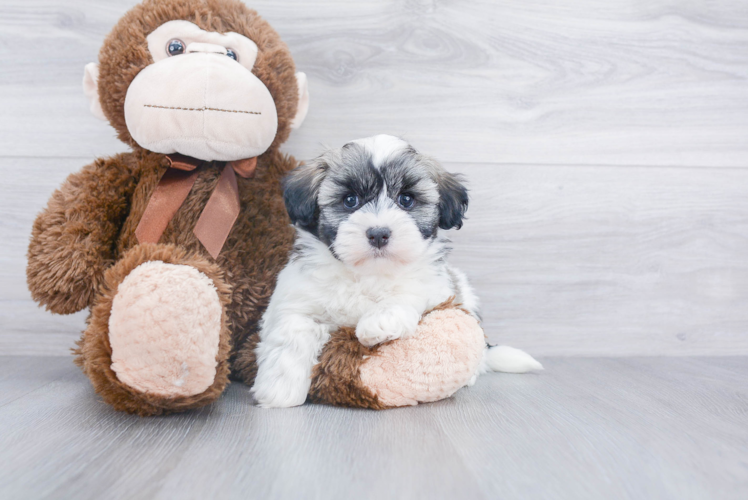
(440, 358)
(164, 330)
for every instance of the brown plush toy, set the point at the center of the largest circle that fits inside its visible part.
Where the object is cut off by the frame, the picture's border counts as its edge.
(175, 246)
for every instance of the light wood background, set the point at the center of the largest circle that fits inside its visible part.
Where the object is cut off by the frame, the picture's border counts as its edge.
(606, 144)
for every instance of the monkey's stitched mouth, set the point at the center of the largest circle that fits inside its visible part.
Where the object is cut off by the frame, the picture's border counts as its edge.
(202, 109)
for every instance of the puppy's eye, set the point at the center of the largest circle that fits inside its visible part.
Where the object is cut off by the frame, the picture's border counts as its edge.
(175, 47)
(406, 200)
(350, 201)
(231, 54)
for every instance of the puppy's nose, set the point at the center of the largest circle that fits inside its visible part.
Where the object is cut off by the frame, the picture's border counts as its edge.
(378, 236)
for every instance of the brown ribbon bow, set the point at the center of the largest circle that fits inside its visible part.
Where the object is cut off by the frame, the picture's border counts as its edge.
(219, 214)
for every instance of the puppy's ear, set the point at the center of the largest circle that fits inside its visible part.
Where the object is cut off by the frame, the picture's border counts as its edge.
(300, 189)
(453, 199)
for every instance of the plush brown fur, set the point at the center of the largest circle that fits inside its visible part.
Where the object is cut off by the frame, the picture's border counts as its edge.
(83, 244)
(95, 353)
(72, 239)
(336, 379)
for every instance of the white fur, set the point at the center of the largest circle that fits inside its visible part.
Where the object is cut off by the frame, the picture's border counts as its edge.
(381, 147)
(382, 292)
(502, 358)
(317, 293)
(406, 245)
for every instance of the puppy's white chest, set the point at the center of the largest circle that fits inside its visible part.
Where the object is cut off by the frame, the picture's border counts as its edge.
(354, 298)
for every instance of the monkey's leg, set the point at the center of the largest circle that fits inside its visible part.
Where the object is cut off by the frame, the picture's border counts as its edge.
(157, 340)
(440, 358)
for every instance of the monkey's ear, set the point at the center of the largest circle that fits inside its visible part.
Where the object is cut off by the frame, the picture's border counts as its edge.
(303, 107)
(91, 89)
(453, 200)
(300, 190)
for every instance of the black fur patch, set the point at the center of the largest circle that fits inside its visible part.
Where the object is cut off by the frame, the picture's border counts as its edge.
(453, 200)
(300, 189)
(404, 174)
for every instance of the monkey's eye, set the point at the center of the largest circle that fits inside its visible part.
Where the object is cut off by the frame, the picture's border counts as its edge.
(231, 54)
(350, 201)
(406, 201)
(175, 47)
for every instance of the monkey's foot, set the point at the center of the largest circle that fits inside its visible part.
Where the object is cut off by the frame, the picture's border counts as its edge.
(164, 330)
(157, 340)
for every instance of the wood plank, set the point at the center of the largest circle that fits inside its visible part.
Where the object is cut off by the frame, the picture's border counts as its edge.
(94, 452)
(567, 260)
(584, 428)
(628, 82)
(606, 428)
(29, 184)
(609, 261)
(22, 375)
(25, 327)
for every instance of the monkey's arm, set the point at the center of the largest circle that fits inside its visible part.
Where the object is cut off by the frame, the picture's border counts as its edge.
(73, 238)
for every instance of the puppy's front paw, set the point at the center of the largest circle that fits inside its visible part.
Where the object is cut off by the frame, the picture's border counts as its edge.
(387, 324)
(279, 396)
(276, 389)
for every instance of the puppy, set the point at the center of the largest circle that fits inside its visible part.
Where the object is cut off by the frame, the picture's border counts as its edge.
(368, 254)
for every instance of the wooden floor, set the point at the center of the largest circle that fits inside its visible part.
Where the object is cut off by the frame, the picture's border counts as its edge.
(636, 428)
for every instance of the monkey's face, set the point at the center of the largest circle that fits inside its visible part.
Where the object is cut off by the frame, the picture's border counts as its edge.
(199, 97)
(191, 79)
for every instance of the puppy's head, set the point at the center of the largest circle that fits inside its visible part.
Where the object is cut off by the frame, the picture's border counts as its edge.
(375, 202)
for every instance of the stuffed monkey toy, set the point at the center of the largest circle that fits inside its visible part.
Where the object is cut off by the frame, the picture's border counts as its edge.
(176, 245)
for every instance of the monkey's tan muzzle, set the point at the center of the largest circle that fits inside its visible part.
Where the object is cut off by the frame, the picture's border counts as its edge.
(201, 104)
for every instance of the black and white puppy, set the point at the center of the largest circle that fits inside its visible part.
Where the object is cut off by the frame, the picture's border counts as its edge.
(368, 255)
